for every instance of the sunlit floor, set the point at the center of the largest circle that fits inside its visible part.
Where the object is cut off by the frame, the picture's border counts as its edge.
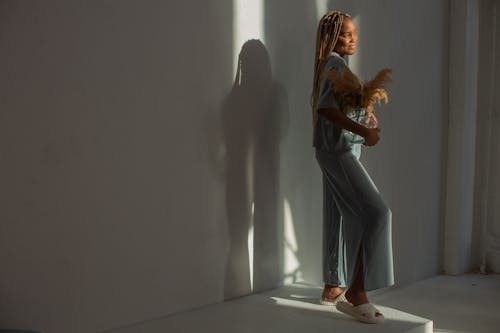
(468, 303)
(456, 304)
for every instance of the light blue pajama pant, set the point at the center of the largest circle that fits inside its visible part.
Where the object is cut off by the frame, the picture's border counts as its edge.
(354, 217)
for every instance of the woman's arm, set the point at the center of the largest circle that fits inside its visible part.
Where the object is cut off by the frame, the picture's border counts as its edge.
(341, 120)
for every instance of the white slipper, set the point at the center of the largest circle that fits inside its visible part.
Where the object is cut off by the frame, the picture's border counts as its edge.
(340, 297)
(365, 313)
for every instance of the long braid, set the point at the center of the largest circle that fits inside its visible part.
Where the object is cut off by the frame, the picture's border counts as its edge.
(326, 37)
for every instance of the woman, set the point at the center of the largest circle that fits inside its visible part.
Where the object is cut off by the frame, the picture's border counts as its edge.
(357, 249)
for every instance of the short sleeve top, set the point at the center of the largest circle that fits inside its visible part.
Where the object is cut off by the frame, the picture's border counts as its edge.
(327, 136)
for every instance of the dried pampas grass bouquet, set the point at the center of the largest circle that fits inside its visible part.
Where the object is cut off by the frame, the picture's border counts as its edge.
(357, 99)
(352, 93)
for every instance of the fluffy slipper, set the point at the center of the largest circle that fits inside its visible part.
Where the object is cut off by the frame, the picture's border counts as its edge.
(365, 313)
(340, 297)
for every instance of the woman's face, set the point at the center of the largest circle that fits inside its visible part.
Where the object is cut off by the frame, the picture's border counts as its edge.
(348, 38)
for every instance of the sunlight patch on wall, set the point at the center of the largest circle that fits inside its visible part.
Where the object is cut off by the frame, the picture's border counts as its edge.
(291, 264)
(321, 8)
(248, 23)
(250, 247)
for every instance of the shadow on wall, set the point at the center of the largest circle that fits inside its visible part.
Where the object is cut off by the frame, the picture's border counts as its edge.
(290, 30)
(253, 118)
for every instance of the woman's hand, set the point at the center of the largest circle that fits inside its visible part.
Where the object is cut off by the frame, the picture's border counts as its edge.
(341, 120)
(371, 136)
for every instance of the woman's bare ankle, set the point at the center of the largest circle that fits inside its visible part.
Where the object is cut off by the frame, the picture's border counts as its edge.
(356, 296)
(331, 292)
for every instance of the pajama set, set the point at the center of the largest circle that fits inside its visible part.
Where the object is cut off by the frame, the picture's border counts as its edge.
(355, 217)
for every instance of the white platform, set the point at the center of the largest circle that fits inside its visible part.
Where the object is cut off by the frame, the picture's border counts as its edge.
(291, 309)
(453, 304)
(456, 304)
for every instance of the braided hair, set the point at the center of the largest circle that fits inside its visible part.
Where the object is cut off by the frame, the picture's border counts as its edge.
(326, 38)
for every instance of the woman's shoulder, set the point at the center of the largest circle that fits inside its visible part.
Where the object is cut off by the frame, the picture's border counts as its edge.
(335, 62)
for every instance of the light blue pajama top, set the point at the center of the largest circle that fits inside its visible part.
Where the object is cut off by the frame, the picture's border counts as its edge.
(327, 136)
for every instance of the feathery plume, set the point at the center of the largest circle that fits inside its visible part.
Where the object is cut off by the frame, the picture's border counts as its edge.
(352, 93)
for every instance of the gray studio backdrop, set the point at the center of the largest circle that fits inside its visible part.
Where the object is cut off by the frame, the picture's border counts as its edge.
(132, 168)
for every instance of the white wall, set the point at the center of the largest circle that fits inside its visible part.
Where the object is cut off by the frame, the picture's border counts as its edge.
(463, 78)
(111, 210)
(121, 191)
(485, 253)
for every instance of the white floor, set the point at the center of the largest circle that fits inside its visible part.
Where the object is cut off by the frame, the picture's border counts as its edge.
(456, 304)
(469, 303)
